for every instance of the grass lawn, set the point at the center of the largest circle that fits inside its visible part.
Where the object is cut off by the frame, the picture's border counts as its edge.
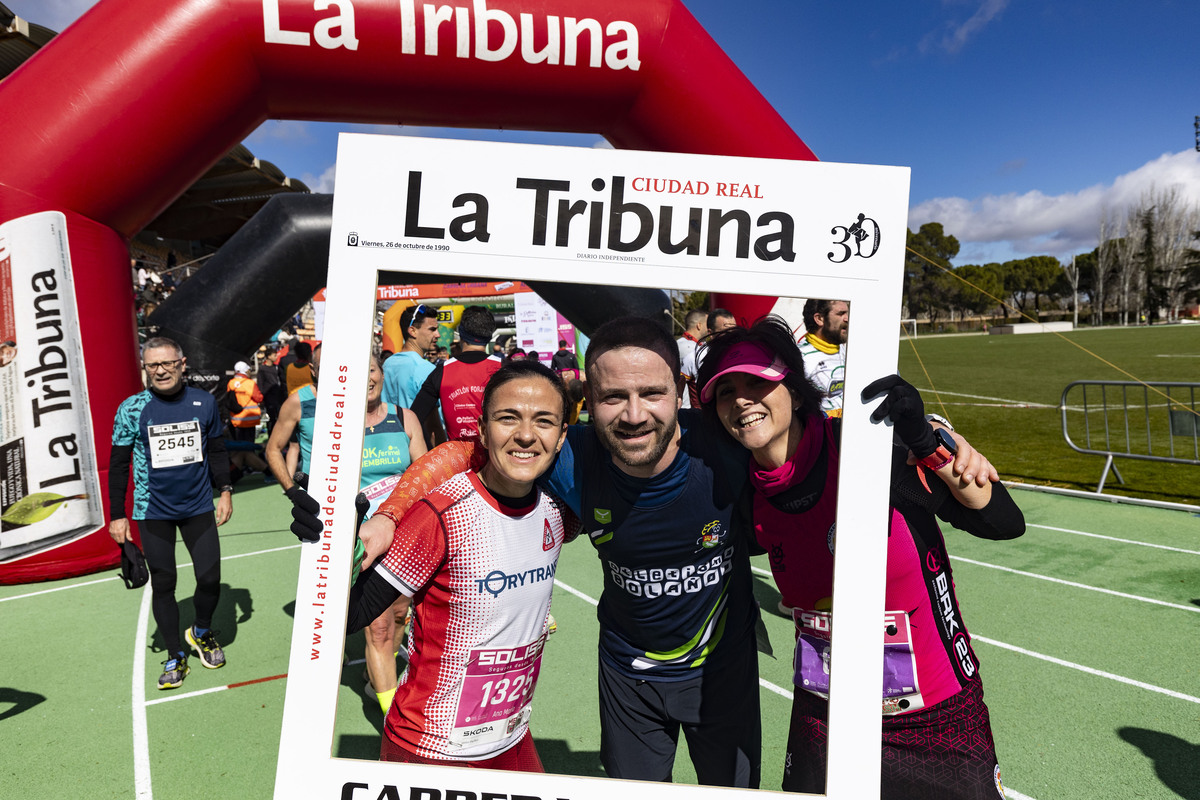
(1003, 393)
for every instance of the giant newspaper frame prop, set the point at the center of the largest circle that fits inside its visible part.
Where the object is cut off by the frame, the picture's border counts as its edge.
(487, 210)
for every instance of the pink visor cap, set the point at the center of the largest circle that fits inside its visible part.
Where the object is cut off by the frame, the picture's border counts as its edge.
(751, 358)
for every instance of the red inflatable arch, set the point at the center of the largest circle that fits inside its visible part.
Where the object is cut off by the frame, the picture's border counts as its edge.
(119, 114)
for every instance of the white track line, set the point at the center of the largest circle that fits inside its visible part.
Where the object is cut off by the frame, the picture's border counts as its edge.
(1181, 607)
(1114, 539)
(141, 740)
(247, 555)
(1088, 670)
(770, 687)
(585, 598)
(60, 588)
(118, 577)
(185, 695)
(1004, 400)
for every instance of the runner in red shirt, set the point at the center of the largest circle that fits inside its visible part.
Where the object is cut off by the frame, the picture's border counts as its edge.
(477, 556)
(457, 384)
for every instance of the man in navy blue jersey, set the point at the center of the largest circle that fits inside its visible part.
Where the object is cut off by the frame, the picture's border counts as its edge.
(658, 499)
(173, 435)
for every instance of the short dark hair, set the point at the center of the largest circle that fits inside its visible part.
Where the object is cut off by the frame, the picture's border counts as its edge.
(410, 317)
(642, 332)
(515, 370)
(476, 325)
(718, 312)
(304, 351)
(773, 332)
(575, 389)
(153, 343)
(562, 342)
(813, 307)
(694, 316)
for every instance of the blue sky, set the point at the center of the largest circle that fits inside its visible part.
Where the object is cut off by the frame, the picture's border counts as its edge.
(1022, 121)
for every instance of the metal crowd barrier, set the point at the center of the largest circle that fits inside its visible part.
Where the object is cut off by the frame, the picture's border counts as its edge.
(1154, 421)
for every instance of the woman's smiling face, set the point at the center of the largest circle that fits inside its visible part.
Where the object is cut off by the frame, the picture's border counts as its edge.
(755, 411)
(374, 383)
(523, 429)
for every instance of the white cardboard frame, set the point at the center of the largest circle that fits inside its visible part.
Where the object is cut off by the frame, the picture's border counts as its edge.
(371, 233)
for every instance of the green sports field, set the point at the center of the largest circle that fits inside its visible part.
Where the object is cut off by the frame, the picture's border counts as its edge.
(1003, 392)
(1086, 628)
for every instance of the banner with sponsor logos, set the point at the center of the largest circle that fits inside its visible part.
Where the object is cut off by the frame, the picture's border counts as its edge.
(522, 212)
(538, 328)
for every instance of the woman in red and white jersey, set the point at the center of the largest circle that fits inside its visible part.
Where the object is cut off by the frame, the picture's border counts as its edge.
(937, 740)
(477, 556)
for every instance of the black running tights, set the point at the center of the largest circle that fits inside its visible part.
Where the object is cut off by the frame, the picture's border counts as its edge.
(158, 541)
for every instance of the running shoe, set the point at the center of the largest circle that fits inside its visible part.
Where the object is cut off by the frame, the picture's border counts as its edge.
(174, 671)
(206, 647)
(551, 624)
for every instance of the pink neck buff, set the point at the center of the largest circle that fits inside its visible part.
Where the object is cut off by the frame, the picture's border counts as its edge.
(774, 481)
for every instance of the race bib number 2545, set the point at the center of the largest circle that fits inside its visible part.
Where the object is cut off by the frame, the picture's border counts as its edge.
(175, 444)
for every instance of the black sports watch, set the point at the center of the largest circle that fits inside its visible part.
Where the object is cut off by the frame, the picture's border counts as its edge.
(226, 488)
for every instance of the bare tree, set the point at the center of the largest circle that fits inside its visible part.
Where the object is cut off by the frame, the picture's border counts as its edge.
(1127, 251)
(1173, 229)
(1105, 267)
(1072, 273)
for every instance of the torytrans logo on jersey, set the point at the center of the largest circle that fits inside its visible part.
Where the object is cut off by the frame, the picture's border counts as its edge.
(498, 580)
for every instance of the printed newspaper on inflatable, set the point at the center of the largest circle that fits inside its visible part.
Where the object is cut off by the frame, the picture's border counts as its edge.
(50, 491)
(464, 211)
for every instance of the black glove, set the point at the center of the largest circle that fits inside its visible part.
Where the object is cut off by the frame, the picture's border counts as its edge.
(903, 407)
(361, 506)
(305, 524)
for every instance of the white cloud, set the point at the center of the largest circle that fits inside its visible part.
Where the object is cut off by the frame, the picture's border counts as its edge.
(1033, 223)
(955, 35)
(322, 184)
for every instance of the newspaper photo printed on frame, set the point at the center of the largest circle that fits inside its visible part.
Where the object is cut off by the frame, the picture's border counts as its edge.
(480, 210)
